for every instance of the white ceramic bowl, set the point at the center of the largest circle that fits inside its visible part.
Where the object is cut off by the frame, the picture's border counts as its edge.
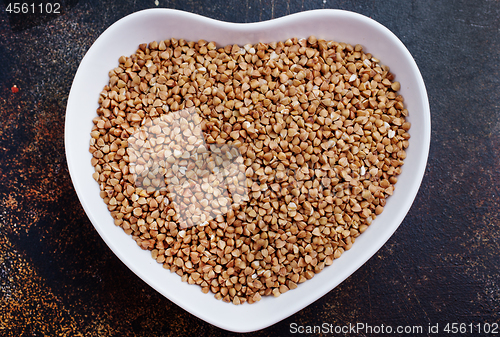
(123, 38)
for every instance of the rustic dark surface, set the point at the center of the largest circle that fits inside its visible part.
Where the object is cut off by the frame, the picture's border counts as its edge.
(58, 278)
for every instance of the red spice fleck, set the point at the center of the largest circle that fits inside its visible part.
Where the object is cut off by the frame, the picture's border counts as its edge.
(14, 89)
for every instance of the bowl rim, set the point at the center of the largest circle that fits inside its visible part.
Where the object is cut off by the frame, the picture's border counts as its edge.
(74, 159)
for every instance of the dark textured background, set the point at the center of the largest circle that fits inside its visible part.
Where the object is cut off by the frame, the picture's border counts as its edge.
(58, 278)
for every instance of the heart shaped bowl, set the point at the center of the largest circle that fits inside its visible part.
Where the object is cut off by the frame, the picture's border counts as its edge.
(124, 37)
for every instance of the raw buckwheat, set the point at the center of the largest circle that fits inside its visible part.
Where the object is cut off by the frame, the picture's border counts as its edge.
(248, 169)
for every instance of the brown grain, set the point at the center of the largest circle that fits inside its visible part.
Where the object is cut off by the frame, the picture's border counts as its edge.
(247, 170)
